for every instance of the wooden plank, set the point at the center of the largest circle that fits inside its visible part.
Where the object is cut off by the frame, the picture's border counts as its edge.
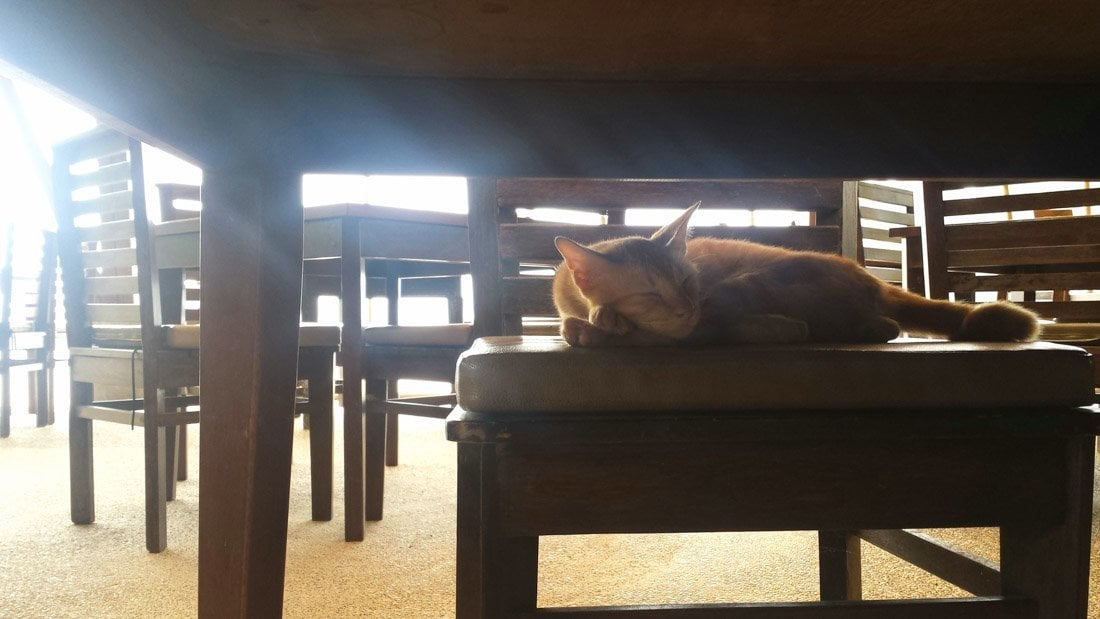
(109, 258)
(1081, 230)
(389, 239)
(680, 492)
(528, 296)
(113, 314)
(1067, 311)
(967, 282)
(970, 573)
(1023, 202)
(879, 234)
(878, 254)
(97, 143)
(886, 194)
(104, 175)
(1021, 256)
(113, 285)
(485, 253)
(886, 274)
(119, 415)
(113, 202)
(107, 231)
(885, 216)
(964, 608)
(799, 195)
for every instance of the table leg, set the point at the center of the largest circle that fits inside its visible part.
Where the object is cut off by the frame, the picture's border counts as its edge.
(252, 277)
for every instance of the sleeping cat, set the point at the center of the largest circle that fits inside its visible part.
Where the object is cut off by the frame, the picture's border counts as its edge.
(667, 289)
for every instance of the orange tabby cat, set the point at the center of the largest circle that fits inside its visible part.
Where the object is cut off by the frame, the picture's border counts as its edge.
(667, 289)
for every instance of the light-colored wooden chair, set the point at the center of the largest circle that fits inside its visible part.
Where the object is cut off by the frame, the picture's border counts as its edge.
(27, 275)
(848, 440)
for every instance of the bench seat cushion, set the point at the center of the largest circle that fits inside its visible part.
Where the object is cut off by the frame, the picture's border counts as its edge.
(529, 374)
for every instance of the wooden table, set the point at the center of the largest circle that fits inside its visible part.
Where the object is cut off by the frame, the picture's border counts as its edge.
(258, 93)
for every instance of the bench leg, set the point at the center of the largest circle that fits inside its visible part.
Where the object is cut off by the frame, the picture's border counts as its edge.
(496, 576)
(839, 566)
(1050, 564)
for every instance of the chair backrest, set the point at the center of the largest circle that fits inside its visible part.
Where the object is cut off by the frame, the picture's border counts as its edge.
(513, 262)
(180, 289)
(875, 211)
(104, 244)
(27, 277)
(1009, 249)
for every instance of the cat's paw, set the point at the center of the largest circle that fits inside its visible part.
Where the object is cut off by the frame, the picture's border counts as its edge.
(607, 319)
(581, 333)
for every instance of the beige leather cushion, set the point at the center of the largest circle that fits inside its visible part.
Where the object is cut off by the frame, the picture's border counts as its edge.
(310, 334)
(430, 335)
(544, 374)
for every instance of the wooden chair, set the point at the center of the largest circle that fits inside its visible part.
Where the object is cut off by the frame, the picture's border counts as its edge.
(121, 367)
(130, 360)
(1035, 261)
(411, 247)
(178, 265)
(848, 440)
(27, 320)
(871, 212)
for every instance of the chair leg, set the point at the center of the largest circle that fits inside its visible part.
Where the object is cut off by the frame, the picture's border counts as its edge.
(353, 460)
(181, 453)
(320, 433)
(391, 439)
(43, 403)
(374, 456)
(171, 453)
(81, 480)
(156, 493)
(5, 403)
(839, 565)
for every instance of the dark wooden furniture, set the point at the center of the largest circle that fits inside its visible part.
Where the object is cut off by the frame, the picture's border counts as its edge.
(560, 441)
(122, 369)
(374, 358)
(556, 440)
(27, 320)
(1033, 260)
(863, 90)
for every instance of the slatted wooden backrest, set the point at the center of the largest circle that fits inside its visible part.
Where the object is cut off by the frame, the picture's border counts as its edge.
(512, 261)
(1026, 255)
(103, 236)
(880, 208)
(27, 280)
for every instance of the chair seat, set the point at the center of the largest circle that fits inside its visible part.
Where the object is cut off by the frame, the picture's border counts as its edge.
(1078, 333)
(507, 375)
(309, 335)
(420, 335)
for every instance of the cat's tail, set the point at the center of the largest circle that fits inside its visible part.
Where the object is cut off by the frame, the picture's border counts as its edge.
(984, 322)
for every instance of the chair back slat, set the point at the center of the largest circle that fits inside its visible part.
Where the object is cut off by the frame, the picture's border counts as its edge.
(879, 209)
(1022, 202)
(103, 240)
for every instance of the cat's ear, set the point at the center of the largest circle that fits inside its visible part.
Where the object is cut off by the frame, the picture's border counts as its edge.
(585, 264)
(674, 235)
